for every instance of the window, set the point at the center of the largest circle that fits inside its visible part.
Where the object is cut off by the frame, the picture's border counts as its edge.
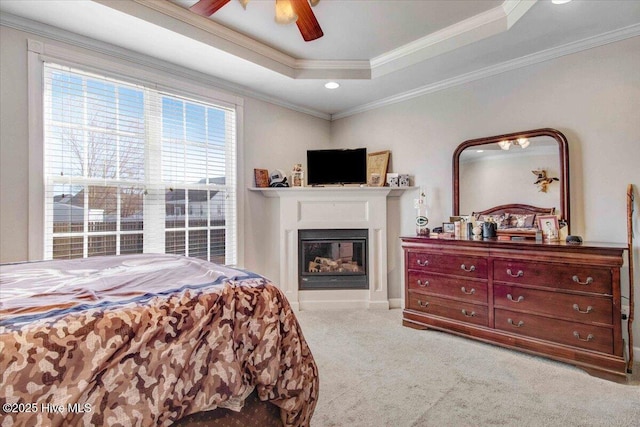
(130, 169)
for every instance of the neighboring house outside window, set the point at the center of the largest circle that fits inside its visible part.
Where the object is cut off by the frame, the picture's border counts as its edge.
(129, 169)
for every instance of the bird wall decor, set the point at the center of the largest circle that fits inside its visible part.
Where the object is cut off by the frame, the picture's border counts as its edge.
(543, 180)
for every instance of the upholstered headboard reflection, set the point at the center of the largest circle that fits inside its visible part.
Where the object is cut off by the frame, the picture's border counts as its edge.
(514, 217)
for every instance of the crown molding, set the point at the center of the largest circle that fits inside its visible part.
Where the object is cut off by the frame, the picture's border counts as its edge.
(473, 29)
(120, 54)
(331, 65)
(220, 37)
(532, 59)
(515, 9)
(478, 27)
(205, 24)
(324, 70)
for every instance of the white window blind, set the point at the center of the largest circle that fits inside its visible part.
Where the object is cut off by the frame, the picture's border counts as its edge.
(129, 169)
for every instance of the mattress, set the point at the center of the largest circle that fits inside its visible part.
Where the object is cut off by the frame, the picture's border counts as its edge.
(142, 340)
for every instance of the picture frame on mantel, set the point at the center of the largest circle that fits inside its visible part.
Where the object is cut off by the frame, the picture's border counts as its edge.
(377, 164)
(261, 177)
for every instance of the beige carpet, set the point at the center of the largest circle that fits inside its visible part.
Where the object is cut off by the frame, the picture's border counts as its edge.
(375, 372)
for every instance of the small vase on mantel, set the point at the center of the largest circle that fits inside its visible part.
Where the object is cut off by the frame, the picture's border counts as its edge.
(421, 215)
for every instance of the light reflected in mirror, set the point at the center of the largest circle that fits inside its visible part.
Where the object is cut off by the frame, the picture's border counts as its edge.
(506, 169)
(491, 176)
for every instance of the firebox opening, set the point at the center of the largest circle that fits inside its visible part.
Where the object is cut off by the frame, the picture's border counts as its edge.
(333, 259)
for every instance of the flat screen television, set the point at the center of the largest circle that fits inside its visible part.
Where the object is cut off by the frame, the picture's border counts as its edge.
(330, 167)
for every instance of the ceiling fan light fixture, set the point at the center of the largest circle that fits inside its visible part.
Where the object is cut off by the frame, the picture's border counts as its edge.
(332, 85)
(244, 3)
(505, 145)
(314, 2)
(523, 142)
(285, 13)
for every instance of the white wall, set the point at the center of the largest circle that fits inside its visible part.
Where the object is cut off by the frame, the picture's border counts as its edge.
(275, 138)
(14, 153)
(593, 97)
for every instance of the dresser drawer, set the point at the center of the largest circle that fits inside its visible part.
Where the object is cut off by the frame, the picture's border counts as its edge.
(581, 335)
(464, 290)
(451, 309)
(570, 277)
(581, 308)
(464, 266)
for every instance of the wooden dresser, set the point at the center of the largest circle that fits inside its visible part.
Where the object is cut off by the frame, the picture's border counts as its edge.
(549, 299)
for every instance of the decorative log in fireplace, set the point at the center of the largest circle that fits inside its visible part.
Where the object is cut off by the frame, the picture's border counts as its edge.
(333, 259)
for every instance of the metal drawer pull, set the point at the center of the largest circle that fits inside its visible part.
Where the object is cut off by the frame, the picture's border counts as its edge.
(470, 269)
(472, 314)
(423, 304)
(520, 273)
(510, 298)
(576, 307)
(423, 284)
(422, 263)
(586, 282)
(577, 335)
(464, 291)
(517, 325)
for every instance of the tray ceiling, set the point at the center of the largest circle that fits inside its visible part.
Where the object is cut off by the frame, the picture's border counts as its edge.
(379, 51)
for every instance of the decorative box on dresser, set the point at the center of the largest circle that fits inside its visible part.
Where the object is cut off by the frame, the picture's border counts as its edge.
(555, 300)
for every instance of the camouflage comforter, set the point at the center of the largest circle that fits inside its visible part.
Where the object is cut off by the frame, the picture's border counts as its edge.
(144, 340)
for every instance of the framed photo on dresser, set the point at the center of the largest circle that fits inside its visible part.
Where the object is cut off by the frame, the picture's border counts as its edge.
(549, 226)
(448, 227)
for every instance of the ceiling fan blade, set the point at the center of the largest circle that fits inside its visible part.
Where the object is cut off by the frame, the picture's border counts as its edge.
(208, 7)
(307, 22)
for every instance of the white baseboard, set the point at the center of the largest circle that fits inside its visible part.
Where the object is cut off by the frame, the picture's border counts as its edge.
(379, 305)
(348, 304)
(334, 305)
(396, 302)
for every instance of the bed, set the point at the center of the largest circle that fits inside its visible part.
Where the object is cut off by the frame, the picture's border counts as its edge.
(146, 340)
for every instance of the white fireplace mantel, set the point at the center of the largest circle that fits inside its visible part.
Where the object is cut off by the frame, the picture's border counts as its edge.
(328, 208)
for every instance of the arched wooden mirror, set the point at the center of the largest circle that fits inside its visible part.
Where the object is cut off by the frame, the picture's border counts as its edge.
(500, 170)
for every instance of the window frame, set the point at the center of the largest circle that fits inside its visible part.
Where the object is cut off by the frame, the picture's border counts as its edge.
(170, 79)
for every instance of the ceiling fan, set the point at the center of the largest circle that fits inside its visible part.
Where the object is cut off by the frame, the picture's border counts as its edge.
(287, 11)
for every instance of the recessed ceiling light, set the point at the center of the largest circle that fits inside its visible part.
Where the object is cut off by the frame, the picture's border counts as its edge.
(560, 1)
(332, 85)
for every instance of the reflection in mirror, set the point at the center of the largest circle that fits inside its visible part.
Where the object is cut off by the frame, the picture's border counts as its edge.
(509, 175)
(507, 169)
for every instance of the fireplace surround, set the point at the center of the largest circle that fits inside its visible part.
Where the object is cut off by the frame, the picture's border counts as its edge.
(322, 208)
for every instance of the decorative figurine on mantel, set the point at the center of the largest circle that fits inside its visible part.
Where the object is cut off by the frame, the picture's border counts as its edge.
(297, 176)
(421, 214)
